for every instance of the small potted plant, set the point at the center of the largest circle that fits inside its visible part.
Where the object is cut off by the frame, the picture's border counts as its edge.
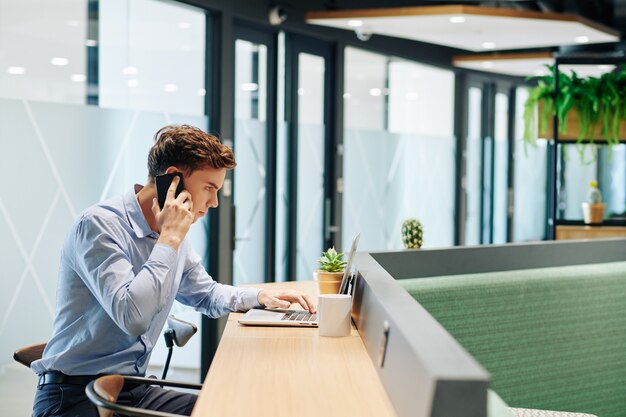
(330, 272)
(412, 234)
(593, 208)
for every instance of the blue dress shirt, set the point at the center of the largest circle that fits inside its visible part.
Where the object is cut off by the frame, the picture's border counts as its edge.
(116, 288)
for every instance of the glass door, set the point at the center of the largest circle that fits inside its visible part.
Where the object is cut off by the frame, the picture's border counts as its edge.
(310, 149)
(253, 138)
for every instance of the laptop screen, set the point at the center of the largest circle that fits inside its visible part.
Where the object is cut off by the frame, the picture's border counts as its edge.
(343, 289)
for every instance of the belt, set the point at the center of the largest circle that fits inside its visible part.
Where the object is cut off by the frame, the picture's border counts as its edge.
(56, 377)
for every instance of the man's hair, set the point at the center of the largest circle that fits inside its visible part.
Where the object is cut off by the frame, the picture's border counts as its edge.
(188, 148)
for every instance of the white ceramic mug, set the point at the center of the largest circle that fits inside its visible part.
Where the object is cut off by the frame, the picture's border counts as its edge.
(334, 314)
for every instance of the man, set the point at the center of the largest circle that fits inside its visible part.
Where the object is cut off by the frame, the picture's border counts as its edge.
(123, 263)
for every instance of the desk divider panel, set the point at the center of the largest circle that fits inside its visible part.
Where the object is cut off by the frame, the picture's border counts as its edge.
(425, 372)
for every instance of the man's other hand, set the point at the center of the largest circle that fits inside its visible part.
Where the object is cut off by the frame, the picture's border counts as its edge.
(277, 298)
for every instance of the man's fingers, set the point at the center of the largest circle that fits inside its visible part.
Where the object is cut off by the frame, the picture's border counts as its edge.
(310, 303)
(155, 207)
(171, 192)
(281, 303)
(302, 302)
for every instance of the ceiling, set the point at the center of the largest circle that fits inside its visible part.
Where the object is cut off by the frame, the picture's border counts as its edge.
(473, 28)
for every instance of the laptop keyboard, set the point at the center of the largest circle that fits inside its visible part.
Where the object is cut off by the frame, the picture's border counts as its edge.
(300, 316)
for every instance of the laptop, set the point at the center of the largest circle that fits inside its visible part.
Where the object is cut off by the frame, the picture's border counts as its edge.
(295, 318)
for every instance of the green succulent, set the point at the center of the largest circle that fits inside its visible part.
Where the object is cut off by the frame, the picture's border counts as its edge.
(331, 261)
(412, 233)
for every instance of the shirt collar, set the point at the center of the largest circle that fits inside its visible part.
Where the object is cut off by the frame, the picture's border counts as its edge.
(134, 214)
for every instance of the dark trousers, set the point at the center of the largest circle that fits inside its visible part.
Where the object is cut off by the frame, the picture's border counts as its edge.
(69, 400)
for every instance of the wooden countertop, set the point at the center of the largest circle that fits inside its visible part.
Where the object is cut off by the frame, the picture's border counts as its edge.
(274, 371)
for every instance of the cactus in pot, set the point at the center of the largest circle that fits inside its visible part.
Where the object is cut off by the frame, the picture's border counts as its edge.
(594, 196)
(593, 208)
(412, 233)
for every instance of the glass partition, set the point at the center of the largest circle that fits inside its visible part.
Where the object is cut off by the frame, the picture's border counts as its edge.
(473, 161)
(530, 181)
(43, 50)
(398, 151)
(152, 56)
(311, 156)
(250, 197)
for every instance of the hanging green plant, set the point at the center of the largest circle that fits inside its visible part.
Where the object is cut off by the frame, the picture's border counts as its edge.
(594, 100)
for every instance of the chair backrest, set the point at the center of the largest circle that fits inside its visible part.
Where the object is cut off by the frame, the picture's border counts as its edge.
(109, 388)
(28, 354)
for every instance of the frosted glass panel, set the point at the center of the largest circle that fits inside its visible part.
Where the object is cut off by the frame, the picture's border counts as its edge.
(473, 167)
(250, 202)
(310, 199)
(56, 160)
(501, 169)
(390, 177)
(251, 152)
(311, 153)
(529, 213)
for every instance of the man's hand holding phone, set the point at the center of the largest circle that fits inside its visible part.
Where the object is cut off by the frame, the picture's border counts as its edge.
(176, 215)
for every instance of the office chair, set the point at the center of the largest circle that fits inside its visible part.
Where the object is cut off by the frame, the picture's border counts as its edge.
(178, 332)
(28, 354)
(104, 391)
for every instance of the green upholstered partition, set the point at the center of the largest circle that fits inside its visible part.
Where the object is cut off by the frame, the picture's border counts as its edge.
(551, 338)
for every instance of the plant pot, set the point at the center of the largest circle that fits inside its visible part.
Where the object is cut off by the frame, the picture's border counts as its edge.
(573, 129)
(593, 213)
(328, 282)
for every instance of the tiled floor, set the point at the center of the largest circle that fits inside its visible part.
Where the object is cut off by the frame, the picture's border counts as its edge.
(18, 384)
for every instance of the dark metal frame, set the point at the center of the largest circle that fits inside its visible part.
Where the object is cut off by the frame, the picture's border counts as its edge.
(102, 402)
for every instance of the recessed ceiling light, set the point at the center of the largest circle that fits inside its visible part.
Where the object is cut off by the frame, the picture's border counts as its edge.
(488, 45)
(184, 25)
(355, 23)
(78, 78)
(132, 82)
(457, 19)
(59, 61)
(301, 91)
(375, 92)
(201, 92)
(170, 88)
(249, 86)
(16, 70)
(581, 39)
(130, 70)
(346, 96)
(91, 42)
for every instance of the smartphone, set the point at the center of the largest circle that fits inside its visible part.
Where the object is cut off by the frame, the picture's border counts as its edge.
(163, 184)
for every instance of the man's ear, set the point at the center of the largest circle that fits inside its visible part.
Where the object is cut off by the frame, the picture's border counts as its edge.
(172, 169)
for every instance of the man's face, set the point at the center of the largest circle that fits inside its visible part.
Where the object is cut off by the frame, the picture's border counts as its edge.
(203, 185)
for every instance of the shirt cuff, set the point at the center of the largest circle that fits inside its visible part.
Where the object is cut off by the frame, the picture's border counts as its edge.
(251, 298)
